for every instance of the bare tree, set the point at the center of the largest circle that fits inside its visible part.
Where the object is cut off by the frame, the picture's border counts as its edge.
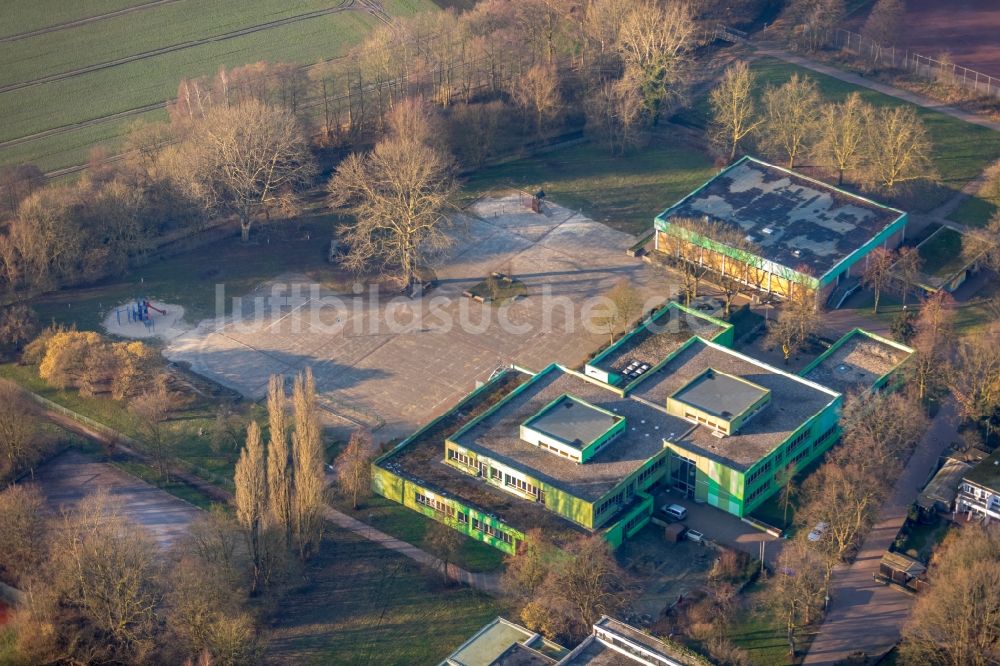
(842, 131)
(927, 368)
(734, 117)
(246, 159)
(883, 24)
(353, 466)
(908, 267)
(279, 461)
(614, 115)
(399, 196)
(251, 501)
(654, 41)
(24, 526)
(308, 467)
(19, 430)
(810, 21)
(444, 542)
(878, 271)
(899, 150)
(537, 94)
(577, 588)
(623, 304)
(796, 591)
(791, 111)
(954, 623)
(18, 324)
(153, 408)
(975, 378)
(797, 322)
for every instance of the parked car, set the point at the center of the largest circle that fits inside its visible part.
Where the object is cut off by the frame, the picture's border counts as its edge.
(694, 535)
(675, 512)
(818, 531)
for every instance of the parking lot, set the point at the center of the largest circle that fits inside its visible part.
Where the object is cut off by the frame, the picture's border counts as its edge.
(721, 527)
(393, 364)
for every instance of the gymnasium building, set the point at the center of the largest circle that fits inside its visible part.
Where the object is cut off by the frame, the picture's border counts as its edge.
(806, 234)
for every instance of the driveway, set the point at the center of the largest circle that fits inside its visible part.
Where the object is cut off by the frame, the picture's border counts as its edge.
(723, 528)
(866, 616)
(72, 476)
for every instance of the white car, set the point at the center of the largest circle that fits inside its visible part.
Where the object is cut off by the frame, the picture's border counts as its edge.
(694, 535)
(818, 531)
(675, 512)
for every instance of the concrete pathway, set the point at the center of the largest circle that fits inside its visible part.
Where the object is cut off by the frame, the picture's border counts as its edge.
(866, 616)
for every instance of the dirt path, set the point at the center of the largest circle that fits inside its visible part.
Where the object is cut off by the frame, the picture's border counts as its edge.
(866, 616)
(84, 21)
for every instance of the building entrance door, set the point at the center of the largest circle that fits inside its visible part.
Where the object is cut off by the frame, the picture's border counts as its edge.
(682, 474)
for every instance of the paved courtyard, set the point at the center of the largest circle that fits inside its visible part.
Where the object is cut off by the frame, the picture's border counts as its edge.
(394, 363)
(72, 476)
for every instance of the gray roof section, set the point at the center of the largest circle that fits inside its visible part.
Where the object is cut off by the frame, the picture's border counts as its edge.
(498, 436)
(795, 220)
(857, 364)
(793, 402)
(573, 422)
(720, 394)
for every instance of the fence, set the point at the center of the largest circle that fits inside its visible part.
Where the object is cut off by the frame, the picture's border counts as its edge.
(915, 63)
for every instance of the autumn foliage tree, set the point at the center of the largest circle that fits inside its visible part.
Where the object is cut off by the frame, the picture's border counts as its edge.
(353, 466)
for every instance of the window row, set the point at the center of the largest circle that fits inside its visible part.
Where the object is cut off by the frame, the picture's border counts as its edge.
(492, 531)
(436, 505)
(652, 469)
(460, 457)
(519, 484)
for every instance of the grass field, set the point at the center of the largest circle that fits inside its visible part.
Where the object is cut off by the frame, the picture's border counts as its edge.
(410, 526)
(961, 150)
(24, 16)
(623, 192)
(192, 35)
(364, 604)
(756, 630)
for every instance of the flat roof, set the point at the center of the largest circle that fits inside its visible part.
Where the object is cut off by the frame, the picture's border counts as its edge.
(420, 458)
(946, 253)
(793, 219)
(490, 643)
(497, 435)
(650, 343)
(987, 472)
(631, 646)
(720, 394)
(573, 421)
(856, 362)
(794, 401)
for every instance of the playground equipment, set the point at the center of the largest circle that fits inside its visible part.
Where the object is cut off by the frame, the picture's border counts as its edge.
(139, 313)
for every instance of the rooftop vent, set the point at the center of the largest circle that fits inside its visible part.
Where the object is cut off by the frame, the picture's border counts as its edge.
(767, 230)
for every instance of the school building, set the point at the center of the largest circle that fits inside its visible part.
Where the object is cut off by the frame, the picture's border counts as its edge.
(576, 452)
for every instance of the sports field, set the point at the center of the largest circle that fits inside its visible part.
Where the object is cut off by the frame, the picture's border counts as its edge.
(77, 74)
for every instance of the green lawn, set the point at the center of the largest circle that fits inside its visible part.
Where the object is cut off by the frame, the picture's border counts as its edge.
(623, 192)
(755, 629)
(364, 604)
(974, 212)
(191, 279)
(941, 253)
(410, 526)
(176, 488)
(151, 80)
(961, 150)
(27, 15)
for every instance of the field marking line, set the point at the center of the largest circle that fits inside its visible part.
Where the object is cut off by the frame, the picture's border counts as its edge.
(83, 21)
(242, 32)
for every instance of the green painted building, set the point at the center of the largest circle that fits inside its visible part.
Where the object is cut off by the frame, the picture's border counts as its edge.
(801, 232)
(575, 452)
